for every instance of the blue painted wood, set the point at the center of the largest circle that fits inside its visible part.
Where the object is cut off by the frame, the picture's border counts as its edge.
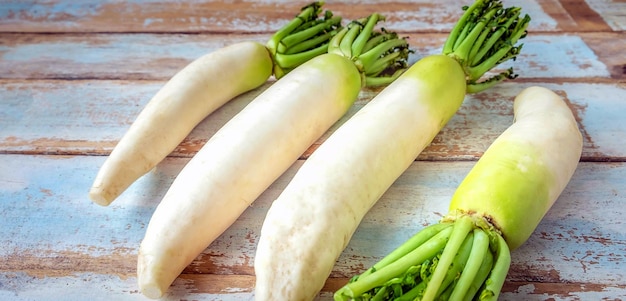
(158, 57)
(90, 117)
(45, 216)
(220, 16)
(67, 97)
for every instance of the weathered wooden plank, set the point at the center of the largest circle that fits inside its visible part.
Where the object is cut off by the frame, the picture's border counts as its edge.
(75, 89)
(584, 16)
(237, 288)
(610, 50)
(613, 12)
(89, 117)
(234, 16)
(53, 239)
(158, 57)
(103, 56)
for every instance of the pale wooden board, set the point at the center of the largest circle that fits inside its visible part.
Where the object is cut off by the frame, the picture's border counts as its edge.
(159, 57)
(134, 56)
(229, 16)
(612, 11)
(91, 116)
(53, 237)
(75, 89)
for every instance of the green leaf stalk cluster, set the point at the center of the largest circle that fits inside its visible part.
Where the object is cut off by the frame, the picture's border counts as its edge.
(303, 38)
(464, 256)
(485, 37)
(379, 55)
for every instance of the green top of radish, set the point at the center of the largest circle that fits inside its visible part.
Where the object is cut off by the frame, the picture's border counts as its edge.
(304, 37)
(380, 56)
(484, 37)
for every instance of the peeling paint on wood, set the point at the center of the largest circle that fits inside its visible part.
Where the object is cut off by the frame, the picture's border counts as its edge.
(75, 74)
(89, 117)
(578, 240)
(227, 16)
(158, 57)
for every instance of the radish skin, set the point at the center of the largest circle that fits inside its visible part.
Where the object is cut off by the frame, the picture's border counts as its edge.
(203, 86)
(290, 263)
(185, 100)
(534, 159)
(255, 147)
(239, 162)
(311, 222)
(503, 197)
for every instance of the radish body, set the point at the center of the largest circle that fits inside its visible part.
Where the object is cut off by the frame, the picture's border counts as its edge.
(311, 222)
(255, 147)
(313, 219)
(203, 86)
(527, 167)
(495, 209)
(185, 100)
(239, 162)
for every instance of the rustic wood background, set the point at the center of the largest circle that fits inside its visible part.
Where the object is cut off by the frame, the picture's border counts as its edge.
(75, 74)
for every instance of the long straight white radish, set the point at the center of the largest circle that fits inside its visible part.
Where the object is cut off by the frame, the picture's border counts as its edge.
(250, 151)
(311, 222)
(494, 210)
(199, 89)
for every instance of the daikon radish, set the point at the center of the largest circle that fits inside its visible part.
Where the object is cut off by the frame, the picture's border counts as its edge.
(200, 88)
(311, 222)
(259, 144)
(495, 209)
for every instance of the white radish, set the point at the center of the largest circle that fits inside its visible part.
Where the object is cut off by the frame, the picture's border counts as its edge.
(245, 156)
(185, 100)
(494, 210)
(199, 89)
(543, 146)
(311, 222)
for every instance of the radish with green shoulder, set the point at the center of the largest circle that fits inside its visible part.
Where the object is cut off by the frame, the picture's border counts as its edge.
(311, 222)
(494, 210)
(259, 144)
(203, 86)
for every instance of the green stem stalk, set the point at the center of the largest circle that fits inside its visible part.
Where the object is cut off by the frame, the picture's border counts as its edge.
(303, 38)
(464, 256)
(480, 248)
(425, 251)
(462, 227)
(485, 37)
(415, 241)
(493, 284)
(379, 56)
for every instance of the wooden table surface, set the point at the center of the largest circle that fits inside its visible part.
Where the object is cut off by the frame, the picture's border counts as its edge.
(75, 74)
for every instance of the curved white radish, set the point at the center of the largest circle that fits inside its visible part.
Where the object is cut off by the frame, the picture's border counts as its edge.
(185, 100)
(203, 86)
(311, 222)
(527, 166)
(239, 162)
(313, 219)
(494, 210)
(253, 149)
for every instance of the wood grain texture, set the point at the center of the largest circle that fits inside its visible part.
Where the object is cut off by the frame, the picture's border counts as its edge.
(227, 16)
(89, 117)
(64, 238)
(159, 57)
(75, 74)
